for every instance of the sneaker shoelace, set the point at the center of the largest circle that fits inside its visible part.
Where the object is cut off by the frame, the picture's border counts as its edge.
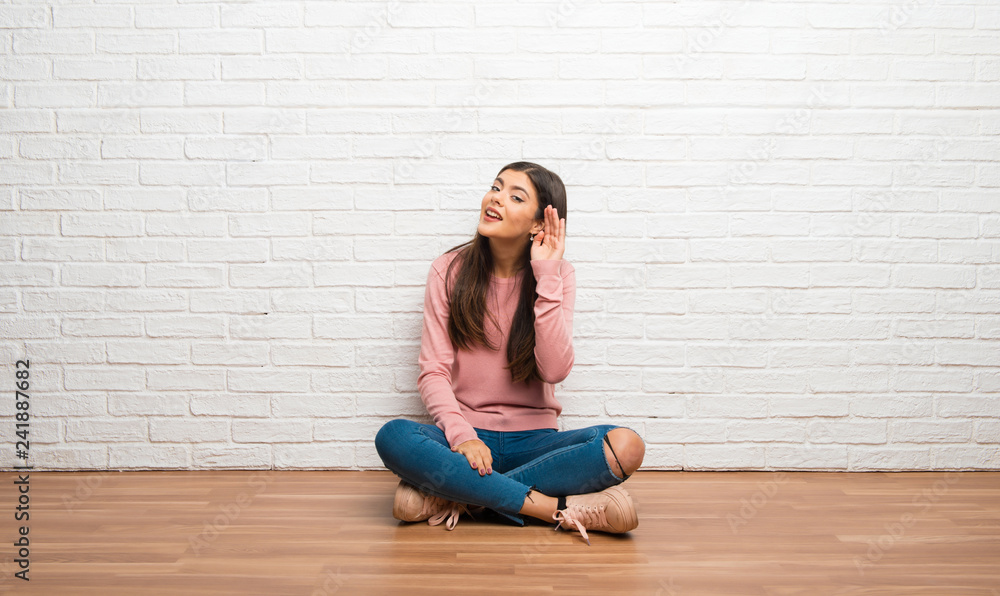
(580, 518)
(449, 513)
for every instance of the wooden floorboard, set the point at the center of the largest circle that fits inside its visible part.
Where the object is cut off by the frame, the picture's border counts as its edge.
(332, 532)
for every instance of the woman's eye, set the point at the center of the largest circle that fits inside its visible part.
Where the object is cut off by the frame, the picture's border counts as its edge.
(496, 188)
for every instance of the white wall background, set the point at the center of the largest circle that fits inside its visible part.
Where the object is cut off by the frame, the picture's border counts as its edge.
(216, 221)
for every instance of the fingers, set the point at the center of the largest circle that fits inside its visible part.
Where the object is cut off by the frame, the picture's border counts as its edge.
(552, 235)
(479, 456)
(551, 225)
(555, 224)
(485, 461)
(481, 462)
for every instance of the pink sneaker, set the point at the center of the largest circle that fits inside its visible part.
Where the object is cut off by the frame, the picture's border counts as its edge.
(610, 510)
(412, 505)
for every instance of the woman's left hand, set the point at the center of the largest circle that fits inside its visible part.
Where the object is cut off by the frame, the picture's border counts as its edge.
(550, 243)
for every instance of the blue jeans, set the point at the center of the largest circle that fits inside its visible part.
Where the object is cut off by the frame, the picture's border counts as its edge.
(555, 463)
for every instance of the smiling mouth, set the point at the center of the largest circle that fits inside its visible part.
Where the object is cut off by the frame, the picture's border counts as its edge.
(489, 217)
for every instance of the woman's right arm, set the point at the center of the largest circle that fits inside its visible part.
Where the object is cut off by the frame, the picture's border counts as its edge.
(436, 358)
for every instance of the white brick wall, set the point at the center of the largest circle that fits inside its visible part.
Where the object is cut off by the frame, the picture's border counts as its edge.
(216, 220)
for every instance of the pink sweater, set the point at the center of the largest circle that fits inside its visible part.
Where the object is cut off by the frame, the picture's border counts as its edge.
(464, 389)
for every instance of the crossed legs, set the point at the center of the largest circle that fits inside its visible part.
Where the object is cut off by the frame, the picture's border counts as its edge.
(539, 466)
(624, 455)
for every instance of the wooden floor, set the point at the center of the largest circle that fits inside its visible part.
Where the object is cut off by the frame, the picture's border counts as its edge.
(321, 533)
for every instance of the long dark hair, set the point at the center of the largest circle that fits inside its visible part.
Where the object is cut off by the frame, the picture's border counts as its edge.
(467, 312)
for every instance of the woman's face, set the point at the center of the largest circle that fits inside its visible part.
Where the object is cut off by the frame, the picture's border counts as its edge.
(514, 199)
